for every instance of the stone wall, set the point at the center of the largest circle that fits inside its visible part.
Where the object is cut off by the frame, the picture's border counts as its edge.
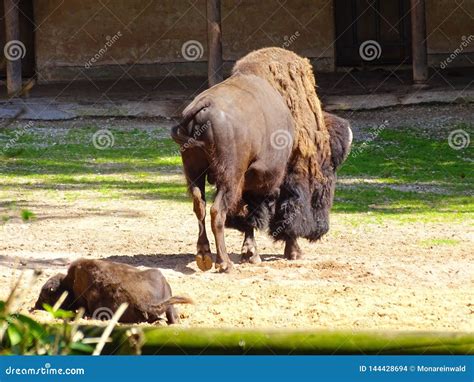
(76, 39)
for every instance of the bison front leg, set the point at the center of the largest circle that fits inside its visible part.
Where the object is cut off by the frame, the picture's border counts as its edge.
(218, 217)
(293, 250)
(203, 253)
(249, 248)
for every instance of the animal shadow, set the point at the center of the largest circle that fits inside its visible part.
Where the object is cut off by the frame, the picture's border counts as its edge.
(177, 262)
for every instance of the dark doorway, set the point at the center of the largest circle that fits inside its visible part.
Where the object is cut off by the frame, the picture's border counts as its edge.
(27, 37)
(372, 32)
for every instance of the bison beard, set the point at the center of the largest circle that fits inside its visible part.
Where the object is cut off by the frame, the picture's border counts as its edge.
(300, 202)
(302, 209)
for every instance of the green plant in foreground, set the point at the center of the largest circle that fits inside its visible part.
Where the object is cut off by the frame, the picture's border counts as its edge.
(22, 335)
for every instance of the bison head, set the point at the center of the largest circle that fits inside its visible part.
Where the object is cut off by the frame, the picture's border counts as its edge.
(340, 138)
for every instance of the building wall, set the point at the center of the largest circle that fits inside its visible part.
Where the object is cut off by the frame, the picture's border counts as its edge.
(83, 38)
(147, 32)
(450, 27)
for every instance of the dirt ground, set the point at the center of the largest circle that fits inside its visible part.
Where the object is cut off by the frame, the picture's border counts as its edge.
(368, 277)
(359, 277)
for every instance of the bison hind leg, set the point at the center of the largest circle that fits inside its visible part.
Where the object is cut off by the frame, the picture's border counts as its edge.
(256, 214)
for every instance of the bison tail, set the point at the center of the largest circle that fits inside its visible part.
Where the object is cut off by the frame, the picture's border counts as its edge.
(184, 134)
(163, 306)
(178, 300)
(183, 139)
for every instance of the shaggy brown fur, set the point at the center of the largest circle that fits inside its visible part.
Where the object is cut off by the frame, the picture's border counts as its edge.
(226, 135)
(102, 286)
(259, 185)
(292, 76)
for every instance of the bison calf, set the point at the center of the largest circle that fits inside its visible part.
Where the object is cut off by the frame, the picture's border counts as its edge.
(100, 287)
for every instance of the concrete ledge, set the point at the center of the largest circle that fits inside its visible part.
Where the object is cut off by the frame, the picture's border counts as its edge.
(46, 108)
(376, 101)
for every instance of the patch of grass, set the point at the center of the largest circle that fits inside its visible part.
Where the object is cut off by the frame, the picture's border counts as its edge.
(145, 163)
(414, 158)
(398, 156)
(27, 215)
(437, 242)
(385, 200)
(138, 163)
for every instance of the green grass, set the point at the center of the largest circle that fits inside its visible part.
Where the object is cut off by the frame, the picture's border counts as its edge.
(137, 163)
(439, 242)
(398, 156)
(411, 175)
(407, 174)
(27, 215)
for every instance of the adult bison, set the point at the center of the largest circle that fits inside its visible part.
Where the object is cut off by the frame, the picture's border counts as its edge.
(263, 140)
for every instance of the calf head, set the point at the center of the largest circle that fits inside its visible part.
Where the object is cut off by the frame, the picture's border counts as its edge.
(52, 291)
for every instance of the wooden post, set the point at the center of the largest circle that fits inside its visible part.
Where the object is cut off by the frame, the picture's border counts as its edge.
(214, 42)
(418, 36)
(14, 51)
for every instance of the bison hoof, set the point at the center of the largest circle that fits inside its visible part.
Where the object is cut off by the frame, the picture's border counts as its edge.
(294, 255)
(250, 255)
(224, 267)
(204, 262)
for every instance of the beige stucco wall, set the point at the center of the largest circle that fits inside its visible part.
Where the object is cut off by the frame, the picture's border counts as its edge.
(146, 37)
(71, 32)
(307, 27)
(450, 26)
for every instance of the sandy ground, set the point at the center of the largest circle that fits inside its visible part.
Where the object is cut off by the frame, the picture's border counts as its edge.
(358, 277)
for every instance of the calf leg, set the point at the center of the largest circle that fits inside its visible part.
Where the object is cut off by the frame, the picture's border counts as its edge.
(249, 248)
(293, 250)
(218, 217)
(171, 315)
